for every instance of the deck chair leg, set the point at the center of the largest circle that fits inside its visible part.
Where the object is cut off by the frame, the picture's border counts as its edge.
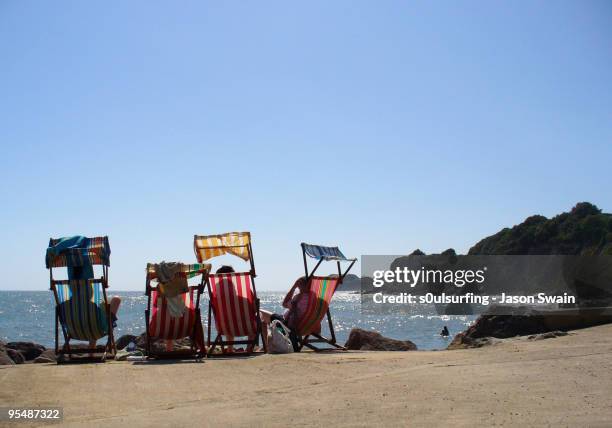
(263, 340)
(214, 345)
(302, 342)
(147, 338)
(67, 348)
(209, 320)
(197, 329)
(331, 326)
(260, 331)
(329, 341)
(56, 330)
(110, 343)
(309, 346)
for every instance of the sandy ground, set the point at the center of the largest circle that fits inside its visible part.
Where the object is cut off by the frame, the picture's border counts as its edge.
(565, 381)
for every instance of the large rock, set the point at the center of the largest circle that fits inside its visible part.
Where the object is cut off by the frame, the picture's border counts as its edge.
(125, 340)
(498, 326)
(365, 340)
(28, 349)
(47, 356)
(460, 341)
(5, 360)
(503, 326)
(16, 356)
(549, 335)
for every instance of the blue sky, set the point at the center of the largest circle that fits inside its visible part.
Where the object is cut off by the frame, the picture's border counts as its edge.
(377, 126)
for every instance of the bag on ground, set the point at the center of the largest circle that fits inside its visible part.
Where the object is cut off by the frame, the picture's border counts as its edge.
(278, 338)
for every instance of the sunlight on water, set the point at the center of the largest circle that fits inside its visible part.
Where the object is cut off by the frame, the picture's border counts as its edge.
(28, 316)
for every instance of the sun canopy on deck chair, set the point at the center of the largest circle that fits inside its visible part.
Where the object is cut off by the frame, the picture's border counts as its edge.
(78, 251)
(320, 252)
(189, 271)
(235, 243)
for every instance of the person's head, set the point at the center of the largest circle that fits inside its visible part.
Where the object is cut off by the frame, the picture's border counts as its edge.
(302, 284)
(225, 269)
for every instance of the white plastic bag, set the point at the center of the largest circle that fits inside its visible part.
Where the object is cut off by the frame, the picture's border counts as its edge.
(278, 338)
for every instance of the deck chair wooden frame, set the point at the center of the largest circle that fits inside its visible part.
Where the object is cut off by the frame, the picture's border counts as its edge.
(191, 271)
(242, 248)
(333, 254)
(66, 352)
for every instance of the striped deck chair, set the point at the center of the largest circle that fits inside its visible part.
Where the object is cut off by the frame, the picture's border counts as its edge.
(81, 305)
(321, 291)
(161, 325)
(233, 296)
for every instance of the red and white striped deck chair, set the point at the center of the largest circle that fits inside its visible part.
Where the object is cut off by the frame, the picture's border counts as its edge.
(234, 307)
(233, 296)
(162, 326)
(321, 291)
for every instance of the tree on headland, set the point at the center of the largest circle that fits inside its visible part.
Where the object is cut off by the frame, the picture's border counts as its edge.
(583, 230)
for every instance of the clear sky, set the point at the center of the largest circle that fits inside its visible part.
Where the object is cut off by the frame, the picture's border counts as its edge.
(380, 126)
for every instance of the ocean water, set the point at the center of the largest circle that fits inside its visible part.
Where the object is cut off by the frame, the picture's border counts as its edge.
(28, 316)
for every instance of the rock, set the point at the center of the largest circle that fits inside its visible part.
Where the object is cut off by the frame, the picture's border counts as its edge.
(462, 342)
(28, 349)
(160, 345)
(373, 341)
(47, 356)
(5, 360)
(548, 335)
(501, 327)
(16, 356)
(498, 326)
(504, 326)
(124, 340)
(141, 341)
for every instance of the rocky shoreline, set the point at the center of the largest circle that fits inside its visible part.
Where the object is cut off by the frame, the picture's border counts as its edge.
(486, 330)
(489, 327)
(13, 353)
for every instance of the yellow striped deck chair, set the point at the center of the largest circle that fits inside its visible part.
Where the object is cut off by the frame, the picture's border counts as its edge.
(233, 301)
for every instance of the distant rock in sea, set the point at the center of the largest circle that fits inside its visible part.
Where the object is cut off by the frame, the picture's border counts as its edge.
(351, 283)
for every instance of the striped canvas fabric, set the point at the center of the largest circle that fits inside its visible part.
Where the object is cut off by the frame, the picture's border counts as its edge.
(82, 310)
(236, 243)
(92, 251)
(234, 304)
(190, 271)
(326, 253)
(321, 292)
(164, 326)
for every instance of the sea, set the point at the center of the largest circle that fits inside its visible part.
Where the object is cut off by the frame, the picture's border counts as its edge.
(28, 316)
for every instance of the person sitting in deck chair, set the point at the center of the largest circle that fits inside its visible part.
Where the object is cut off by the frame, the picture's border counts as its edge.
(84, 273)
(230, 269)
(295, 305)
(114, 304)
